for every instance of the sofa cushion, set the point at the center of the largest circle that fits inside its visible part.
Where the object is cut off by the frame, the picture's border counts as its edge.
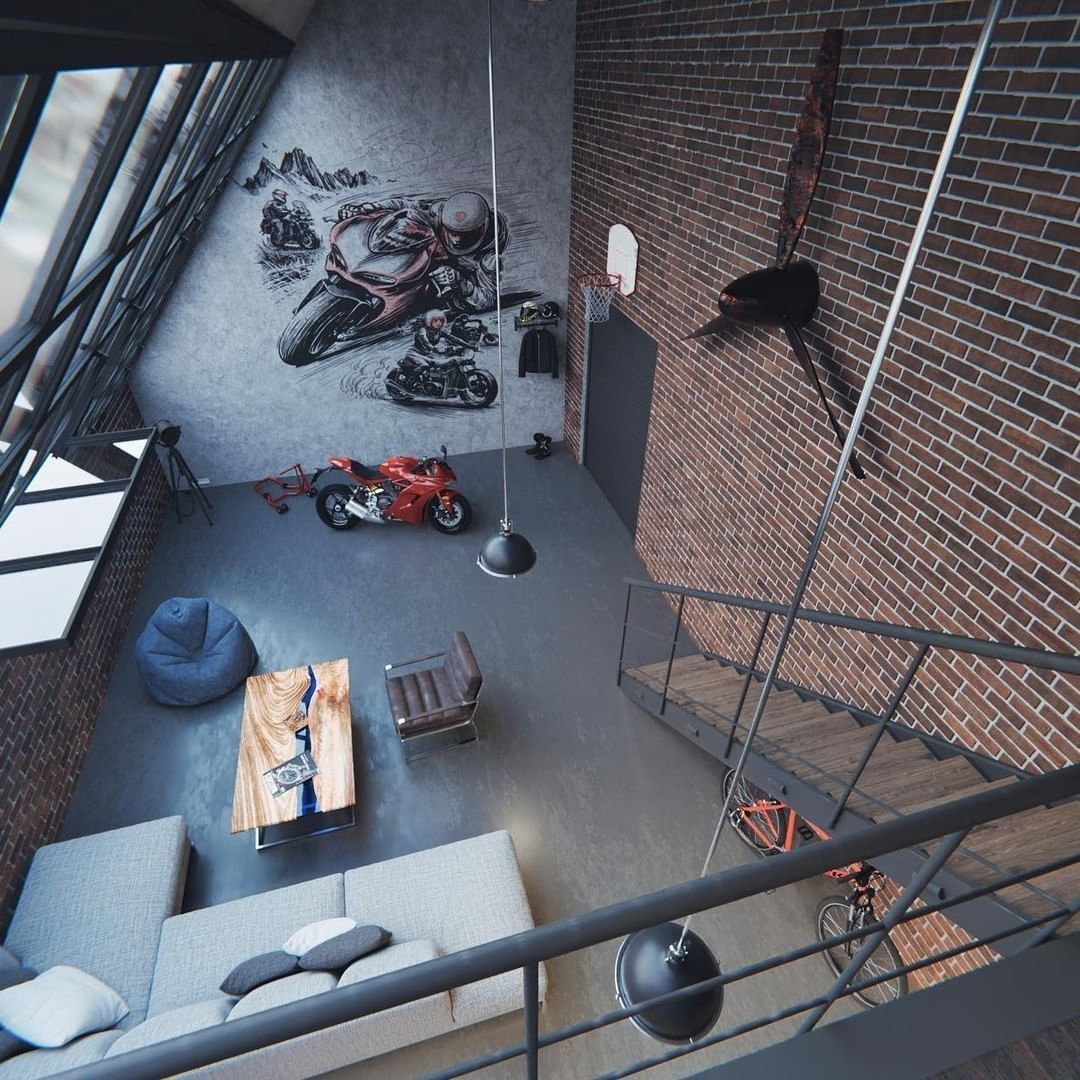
(303, 984)
(38, 1063)
(458, 895)
(338, 952)
(172, 1024)
(199, 948)
(58, 1006)
(258, 970)
(98, 902)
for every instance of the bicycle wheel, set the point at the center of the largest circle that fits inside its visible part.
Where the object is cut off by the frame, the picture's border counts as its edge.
(760, 829)
(832, 919)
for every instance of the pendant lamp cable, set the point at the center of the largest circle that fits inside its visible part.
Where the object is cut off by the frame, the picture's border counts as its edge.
(498, 261)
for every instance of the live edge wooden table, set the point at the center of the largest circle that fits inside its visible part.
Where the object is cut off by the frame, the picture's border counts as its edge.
(286, 713)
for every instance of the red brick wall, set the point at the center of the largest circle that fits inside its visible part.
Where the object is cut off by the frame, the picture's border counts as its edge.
(682, 128)
(51, 700)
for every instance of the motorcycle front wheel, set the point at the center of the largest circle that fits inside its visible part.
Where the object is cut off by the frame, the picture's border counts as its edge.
(480, 388)
(454, 520)
(330, 506)
(311, 334)
(309, 240)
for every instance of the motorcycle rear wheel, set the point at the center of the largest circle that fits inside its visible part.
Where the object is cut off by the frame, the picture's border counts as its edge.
(311, 334)
(330, 506)
(393, 387)
(454, 522)
(480, 388)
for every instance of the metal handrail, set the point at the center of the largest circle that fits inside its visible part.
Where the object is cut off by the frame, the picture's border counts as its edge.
(544, 943)
(998, 650)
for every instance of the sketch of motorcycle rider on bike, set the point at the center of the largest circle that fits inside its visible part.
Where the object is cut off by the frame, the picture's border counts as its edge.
(391, 258)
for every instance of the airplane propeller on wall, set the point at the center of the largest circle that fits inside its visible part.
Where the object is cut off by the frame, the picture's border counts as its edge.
(786, 295)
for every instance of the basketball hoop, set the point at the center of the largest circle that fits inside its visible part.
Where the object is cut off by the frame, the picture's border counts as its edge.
(599, 290)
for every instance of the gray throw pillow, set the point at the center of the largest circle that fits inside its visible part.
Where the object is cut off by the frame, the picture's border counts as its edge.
(10, 1046)
(14, 976)
(258, 970)
(338, 952)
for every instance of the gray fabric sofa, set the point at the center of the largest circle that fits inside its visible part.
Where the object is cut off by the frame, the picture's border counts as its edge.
(108, 904)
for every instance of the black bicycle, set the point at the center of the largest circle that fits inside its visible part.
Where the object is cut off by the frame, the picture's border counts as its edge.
(843, 914)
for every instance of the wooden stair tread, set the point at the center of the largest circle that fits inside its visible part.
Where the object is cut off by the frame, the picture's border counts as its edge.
(925, 780)
(1039, 834)
(940, 800)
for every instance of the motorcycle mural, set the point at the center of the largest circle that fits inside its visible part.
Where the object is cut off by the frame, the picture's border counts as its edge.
(386, 259)
(287, 226)
(403, 488)
(441, 365)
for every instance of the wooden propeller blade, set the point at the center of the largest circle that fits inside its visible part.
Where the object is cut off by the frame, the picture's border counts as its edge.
(803, 355)
(711, 327)
(808, 148)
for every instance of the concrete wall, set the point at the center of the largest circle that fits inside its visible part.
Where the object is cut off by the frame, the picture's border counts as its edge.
(383, 102)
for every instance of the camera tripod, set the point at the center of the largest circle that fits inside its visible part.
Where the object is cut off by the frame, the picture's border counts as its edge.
(180, 472)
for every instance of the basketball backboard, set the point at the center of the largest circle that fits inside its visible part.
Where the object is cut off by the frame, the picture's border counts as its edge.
(622, 257)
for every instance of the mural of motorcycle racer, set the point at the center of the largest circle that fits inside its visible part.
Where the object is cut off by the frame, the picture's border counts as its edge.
(440, 368)
(286, 226)
(463, 276)
(391, 259)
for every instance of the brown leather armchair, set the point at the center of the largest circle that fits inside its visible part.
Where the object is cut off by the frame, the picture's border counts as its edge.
(436, 697)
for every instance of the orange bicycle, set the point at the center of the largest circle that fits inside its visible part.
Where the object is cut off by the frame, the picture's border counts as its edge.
(770, 827)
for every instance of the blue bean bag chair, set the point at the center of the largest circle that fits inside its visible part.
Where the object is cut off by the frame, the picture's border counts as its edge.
(192, 651)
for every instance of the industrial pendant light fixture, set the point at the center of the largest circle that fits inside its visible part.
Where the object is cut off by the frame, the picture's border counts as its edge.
(662, 959)
(506, 554)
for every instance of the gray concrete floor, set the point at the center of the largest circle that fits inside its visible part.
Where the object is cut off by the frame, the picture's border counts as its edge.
(603, 801)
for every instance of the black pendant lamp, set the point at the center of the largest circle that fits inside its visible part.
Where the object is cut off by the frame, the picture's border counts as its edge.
(658, 961)
(506, 554)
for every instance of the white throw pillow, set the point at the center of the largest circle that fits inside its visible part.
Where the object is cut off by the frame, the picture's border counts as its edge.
(59, 1005)
(307, 937)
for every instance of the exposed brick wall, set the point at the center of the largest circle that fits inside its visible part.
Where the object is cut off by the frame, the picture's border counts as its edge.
(967, 520)
(51, 700)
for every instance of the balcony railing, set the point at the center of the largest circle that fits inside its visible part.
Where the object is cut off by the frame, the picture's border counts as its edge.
(526, 951)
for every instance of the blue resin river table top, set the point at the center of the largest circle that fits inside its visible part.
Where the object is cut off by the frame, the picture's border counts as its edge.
(285, 713)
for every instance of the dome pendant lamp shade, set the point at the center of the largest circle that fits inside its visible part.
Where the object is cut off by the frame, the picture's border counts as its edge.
(506, 554)
(657, 961)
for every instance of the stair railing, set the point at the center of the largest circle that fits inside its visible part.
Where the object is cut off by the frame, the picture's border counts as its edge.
(925, 639)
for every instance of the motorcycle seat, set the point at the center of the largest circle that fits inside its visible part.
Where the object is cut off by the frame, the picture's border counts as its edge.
(362, 470)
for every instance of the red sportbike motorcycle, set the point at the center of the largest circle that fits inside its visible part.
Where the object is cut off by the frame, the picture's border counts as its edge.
(402, 488)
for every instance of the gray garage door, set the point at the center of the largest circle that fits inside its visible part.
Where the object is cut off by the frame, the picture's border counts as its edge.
(622, 363)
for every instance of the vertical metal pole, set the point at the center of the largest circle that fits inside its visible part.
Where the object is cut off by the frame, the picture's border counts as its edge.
(671, 655)
(622, 643)
(746, 685)
(952, 136)
(919, 882)
(879, 730)
(531, 974)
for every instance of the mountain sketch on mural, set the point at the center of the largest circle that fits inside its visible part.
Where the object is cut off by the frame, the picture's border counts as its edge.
(299, 167)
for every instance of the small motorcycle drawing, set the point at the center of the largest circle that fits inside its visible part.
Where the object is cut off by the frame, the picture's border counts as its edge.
(295, 230)
(456, 381)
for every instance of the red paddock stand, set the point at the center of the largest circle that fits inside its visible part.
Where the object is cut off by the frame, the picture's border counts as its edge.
(274, 490)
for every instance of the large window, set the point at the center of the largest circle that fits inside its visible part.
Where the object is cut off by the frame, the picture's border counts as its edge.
(105, 175)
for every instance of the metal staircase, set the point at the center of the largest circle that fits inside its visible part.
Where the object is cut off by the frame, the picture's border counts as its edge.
(843, 768)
